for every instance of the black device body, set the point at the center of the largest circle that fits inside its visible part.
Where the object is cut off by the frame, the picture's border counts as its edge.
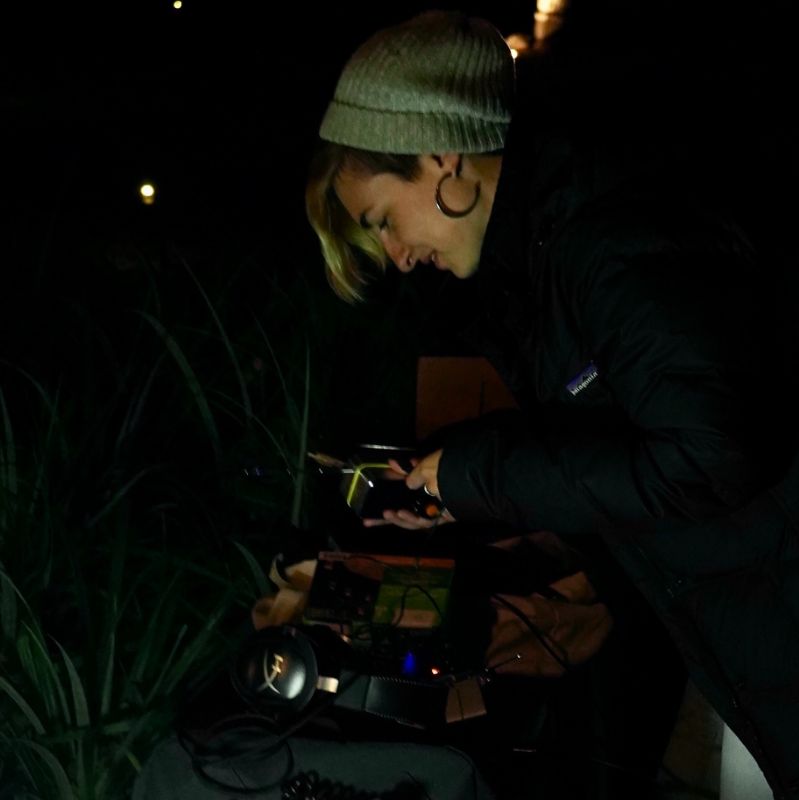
(374, 487)
(370, 491)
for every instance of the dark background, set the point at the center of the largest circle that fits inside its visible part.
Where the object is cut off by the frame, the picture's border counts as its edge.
(219, 103)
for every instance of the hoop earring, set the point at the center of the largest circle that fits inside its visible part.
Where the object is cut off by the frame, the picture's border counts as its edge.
(451, 212)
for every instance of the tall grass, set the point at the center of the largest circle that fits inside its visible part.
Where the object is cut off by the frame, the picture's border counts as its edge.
(121, 569)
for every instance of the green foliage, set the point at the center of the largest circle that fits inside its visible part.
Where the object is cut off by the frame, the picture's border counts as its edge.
(124, 564)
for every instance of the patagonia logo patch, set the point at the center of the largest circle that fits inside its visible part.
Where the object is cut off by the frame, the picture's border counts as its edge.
(584, 378)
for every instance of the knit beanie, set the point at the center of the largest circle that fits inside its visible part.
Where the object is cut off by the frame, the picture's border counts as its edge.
(441, 82)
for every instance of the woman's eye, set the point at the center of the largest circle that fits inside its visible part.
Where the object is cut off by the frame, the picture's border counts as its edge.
(383, 224)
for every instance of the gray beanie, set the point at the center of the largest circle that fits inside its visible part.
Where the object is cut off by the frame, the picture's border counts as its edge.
(440, 82)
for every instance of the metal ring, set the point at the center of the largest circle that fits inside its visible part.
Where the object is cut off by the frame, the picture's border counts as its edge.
(454, 213)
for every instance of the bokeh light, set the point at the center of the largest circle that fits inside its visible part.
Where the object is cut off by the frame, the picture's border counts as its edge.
(147, 193)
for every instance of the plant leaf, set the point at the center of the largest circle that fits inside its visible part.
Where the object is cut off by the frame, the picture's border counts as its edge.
(39, 669)
(150, 645)
(299, 472)
(29, 713)
(167, 664)
(8, 607)
(118, 495)
(150, 721)
(78, 693)
(261, 582)
(194, 650)
(245, 396)
(191, 379)
(8, 469)
(57, 771)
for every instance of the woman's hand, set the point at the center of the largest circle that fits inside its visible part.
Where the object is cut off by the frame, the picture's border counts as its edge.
(424, 474)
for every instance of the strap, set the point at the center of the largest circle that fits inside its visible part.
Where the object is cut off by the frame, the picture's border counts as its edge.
(356, 476)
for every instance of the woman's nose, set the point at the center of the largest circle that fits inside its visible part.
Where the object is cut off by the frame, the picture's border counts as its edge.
(399, 254)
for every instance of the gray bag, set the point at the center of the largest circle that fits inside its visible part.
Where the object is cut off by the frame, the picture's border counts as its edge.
(373, 768)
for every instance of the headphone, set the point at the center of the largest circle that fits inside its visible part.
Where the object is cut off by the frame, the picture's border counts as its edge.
(287, 675)
(290, 671)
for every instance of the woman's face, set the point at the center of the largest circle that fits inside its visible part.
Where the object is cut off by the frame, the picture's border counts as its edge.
(403, 214)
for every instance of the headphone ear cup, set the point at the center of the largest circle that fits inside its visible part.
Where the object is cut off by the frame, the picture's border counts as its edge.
(276, 671)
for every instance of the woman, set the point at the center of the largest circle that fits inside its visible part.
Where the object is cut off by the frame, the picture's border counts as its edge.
(632, 324)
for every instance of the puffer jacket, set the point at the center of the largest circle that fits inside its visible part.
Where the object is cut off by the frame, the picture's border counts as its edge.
(639, 333)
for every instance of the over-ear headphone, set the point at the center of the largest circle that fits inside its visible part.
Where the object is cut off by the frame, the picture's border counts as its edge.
(279, 670)
(287, 671)
(288, 675)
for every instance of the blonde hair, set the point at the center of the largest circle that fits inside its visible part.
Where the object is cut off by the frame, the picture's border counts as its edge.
(342, 239)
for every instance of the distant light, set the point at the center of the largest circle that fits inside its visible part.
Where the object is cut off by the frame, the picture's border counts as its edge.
(177, 4)
(548, 17)
(550, 6)
(435, 671)
(518, 43)
(147, 193)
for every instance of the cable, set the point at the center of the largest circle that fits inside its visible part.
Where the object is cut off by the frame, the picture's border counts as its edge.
(370, 629)
(404, 598)
(200, 763)
(251, 751)
(563, 660)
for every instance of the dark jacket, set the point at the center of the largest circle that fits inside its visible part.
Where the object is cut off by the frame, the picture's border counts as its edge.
(639, 334)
